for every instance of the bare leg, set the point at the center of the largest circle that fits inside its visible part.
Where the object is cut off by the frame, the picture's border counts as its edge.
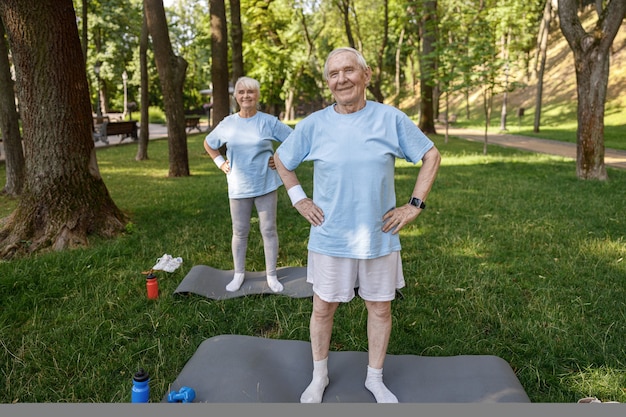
(378, 331)
(321, 328)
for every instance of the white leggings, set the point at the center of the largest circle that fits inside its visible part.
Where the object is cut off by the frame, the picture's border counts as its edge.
(240, 213)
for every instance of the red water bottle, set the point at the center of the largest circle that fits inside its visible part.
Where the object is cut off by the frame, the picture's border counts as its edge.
(152, 285)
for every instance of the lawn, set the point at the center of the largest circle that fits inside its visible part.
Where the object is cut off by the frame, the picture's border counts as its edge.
(514, 257)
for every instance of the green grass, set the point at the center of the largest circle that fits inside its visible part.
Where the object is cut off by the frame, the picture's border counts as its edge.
(514, 257)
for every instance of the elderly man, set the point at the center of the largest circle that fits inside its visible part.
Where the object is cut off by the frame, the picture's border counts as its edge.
(354, 219)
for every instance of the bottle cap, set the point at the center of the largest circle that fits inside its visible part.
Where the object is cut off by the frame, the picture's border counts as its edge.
(141, 375)
(151, 276)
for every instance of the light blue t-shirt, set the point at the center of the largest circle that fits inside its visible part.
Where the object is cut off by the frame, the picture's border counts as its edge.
(248, 149)
(353, 181)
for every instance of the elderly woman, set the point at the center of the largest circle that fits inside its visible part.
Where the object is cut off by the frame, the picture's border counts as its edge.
(252, 180)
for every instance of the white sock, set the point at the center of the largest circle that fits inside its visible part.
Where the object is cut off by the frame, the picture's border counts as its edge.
(235, 284)
(272, 281)
(374, 383)
(315, 391)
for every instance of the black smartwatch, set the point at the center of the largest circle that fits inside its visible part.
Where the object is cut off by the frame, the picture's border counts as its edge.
(417, 202)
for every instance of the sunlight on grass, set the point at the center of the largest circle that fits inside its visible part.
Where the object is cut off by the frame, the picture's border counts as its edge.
(614, 251)
(606, 384)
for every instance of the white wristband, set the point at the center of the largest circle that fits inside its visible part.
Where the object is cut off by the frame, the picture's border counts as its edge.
(219, 161)
(296, 193)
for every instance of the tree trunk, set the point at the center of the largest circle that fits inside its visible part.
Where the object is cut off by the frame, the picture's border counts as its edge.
(505, 40)
(542, 52)
(396, 81)
(427, 64)
(144, 126)
(487, 93)
(64, 198)
(345, 7)
(172, 70)
(85, 29)
(290, 110)
(375, 86)
(237, 39)
(591, 57)
(10, 125)
(219, 61)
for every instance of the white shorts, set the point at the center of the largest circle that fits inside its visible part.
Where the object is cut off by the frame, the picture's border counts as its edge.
(334, 279)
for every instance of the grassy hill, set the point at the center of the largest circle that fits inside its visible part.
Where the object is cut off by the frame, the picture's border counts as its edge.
(559, 90)
(559, 99)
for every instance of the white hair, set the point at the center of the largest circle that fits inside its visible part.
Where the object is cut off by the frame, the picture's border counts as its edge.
(359, 58)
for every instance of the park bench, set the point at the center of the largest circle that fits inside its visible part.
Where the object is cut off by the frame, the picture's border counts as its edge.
(124, 128)
(192, 122)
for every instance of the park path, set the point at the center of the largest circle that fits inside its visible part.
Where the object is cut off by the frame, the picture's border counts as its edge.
(612, 158)
(156, 131)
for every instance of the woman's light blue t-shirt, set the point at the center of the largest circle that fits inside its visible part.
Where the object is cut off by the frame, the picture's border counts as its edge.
(353, 182)
(248, 149)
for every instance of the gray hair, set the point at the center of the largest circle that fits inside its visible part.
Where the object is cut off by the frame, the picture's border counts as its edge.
(359, 58)
(247, 82)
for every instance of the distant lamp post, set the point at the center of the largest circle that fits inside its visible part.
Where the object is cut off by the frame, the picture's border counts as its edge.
(96, 69)
(125, 79)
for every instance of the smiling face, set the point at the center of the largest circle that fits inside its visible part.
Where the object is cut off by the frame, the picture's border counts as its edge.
(247, 95)
(347, 80)
(247, 98)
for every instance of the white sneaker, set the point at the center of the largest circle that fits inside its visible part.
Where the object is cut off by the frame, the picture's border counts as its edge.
(162, 262)
(173, 264)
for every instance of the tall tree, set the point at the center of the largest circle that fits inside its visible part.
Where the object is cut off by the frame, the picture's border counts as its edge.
(346, 9)
(64, 198)
(85, 28)
(428, 65)
(542, 53)
(375, 86)
(10, 124)
(171, 69)
(144, 127)
(236, 35)
(591, 57)
(219, 60)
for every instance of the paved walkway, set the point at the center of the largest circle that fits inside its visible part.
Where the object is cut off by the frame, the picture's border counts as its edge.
(156, 131)
(612, 157)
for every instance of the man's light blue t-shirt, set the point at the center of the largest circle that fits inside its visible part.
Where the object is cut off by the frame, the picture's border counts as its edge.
(248, 149)
(353, 182)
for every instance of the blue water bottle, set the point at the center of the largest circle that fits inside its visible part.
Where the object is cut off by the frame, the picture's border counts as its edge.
(141, 390)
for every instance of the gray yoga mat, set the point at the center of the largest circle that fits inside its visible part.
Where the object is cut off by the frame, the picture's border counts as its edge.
(211, 282)
(247, 369)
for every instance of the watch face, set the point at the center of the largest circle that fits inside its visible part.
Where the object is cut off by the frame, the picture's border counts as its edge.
(417, 202)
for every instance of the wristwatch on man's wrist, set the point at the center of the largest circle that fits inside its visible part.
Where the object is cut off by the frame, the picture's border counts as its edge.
(417, 202)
